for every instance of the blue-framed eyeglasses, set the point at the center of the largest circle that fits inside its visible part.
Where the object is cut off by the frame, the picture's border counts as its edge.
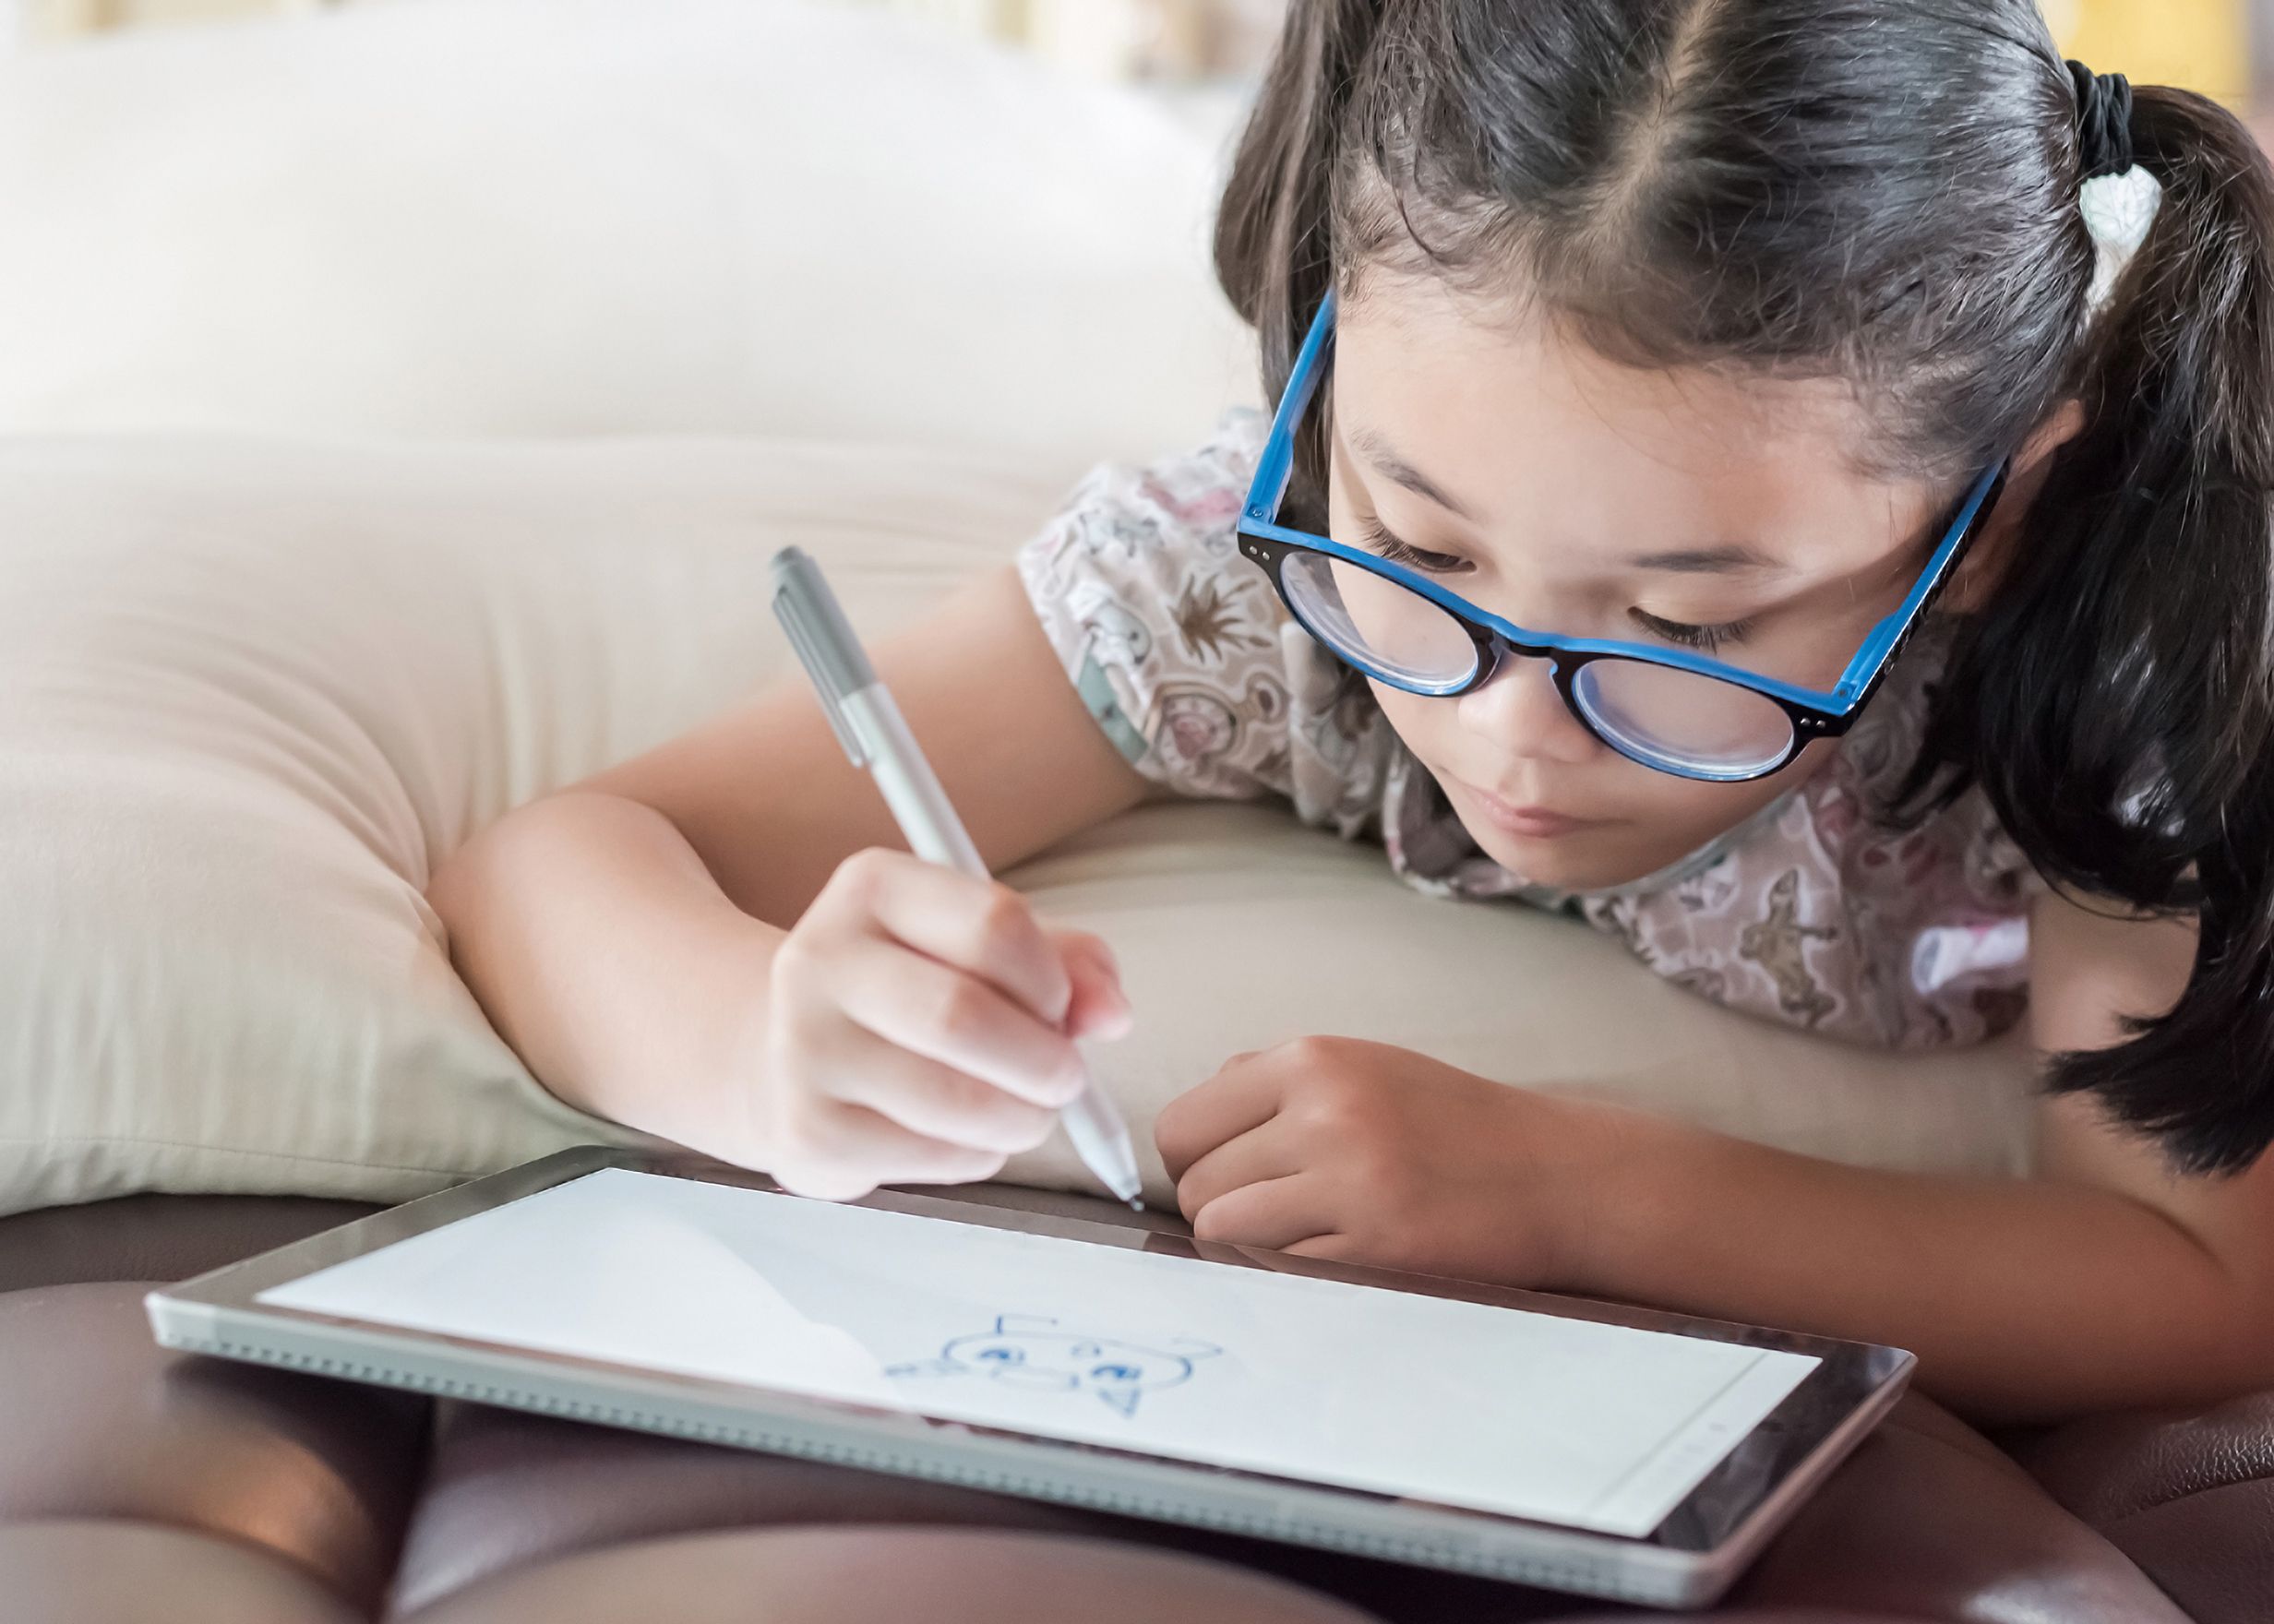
(1670, 709)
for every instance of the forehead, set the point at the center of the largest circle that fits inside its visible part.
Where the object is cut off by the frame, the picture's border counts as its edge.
(1517, 421)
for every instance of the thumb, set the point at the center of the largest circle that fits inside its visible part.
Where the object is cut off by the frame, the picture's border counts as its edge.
(1098, 1009)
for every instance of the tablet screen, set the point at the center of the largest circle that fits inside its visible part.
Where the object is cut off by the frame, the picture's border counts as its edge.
(1494, 1409)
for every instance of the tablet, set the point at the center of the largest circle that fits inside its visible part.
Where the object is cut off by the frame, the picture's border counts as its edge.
(1640, 1456)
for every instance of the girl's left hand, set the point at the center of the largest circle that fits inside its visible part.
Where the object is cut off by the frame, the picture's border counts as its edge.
(1361, 1152)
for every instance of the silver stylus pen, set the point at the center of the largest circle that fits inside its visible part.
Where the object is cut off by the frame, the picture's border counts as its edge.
(869, 726)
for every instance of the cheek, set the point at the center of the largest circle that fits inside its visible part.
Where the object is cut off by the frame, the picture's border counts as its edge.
(1661, 821)
(1692, 814)
(1415, 718)
(1673, 817)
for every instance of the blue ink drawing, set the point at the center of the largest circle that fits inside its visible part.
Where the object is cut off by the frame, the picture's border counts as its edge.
(1029, 1351)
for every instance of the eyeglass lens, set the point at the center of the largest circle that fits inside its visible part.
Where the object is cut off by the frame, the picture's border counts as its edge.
(1677, 721)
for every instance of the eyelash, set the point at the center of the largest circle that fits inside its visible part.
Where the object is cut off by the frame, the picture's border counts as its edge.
(1381, 541)
(1704, 640)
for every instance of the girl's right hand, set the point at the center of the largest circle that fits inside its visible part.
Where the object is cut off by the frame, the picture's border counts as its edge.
(921, 1030)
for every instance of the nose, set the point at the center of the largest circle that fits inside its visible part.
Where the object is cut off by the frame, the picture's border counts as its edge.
(1522, 713)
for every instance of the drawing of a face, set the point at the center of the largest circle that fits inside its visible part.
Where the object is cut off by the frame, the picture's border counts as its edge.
(1030, 1352)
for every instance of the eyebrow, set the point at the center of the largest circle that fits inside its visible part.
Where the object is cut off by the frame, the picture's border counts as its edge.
(1732, 560)
(1378, 451)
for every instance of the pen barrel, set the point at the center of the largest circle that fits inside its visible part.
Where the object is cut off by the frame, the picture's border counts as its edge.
(908, 784)
(1098, 1136)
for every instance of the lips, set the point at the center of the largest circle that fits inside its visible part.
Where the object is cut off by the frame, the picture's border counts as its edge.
(1538, 823)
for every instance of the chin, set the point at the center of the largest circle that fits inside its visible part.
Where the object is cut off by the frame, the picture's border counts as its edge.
(1562, 851)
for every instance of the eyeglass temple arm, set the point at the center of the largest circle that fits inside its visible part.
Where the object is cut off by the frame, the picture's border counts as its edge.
(1881, 643)
(1272, 475)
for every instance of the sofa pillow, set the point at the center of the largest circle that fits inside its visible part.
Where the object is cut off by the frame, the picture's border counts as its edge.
(251, 692)
(464, 218)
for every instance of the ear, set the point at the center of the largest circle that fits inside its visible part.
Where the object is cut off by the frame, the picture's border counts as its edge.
(1988, 560)
(1122, 1398)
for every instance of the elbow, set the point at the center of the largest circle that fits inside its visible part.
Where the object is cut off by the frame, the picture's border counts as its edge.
(2256, 1372)
(2231, 1355)
(451, 887)
(454, 887)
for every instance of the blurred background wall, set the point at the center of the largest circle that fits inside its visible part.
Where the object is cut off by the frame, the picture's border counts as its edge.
(2223, 46)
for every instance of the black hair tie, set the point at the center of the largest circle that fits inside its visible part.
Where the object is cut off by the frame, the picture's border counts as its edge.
(2103, 121)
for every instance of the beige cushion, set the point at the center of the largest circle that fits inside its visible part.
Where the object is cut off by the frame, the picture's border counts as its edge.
(250, 692)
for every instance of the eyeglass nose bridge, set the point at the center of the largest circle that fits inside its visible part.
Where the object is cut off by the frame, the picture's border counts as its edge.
(1495, 651)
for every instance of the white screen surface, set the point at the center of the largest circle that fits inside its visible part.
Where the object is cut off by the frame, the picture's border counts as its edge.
(1591, 1426)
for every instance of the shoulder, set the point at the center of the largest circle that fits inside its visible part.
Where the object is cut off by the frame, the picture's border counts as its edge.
(1177, 645)
(1140, 554)
(1182, 505)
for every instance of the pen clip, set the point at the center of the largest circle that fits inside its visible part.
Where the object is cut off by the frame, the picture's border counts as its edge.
(787, 611)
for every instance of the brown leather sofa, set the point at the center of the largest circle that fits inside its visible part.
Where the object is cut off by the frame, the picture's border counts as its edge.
(139, 1485)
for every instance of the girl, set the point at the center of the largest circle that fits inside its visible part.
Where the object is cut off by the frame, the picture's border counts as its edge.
(1662, 381)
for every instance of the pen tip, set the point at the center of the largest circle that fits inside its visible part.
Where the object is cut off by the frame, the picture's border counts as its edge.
(1135, 1205)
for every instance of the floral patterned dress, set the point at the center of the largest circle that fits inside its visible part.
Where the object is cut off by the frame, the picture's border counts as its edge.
(1814, 912)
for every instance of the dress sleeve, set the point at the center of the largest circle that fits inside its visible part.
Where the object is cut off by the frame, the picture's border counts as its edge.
(1175, 642)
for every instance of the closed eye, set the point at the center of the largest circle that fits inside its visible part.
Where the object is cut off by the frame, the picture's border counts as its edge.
(1705, 639)
(1379, 541)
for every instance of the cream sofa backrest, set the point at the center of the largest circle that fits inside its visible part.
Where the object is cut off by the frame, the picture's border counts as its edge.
(449, 218)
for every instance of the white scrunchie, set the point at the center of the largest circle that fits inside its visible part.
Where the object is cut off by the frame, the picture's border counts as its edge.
(2120, 209)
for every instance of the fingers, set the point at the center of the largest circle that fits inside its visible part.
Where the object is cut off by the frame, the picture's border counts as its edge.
(1100, 1009)
(1255, 1156)
(921, 1028)
(974, 925)
(1279, 1214)
(938, 1102)
(1241, 1097)
(960, 1022)
(843, 1152)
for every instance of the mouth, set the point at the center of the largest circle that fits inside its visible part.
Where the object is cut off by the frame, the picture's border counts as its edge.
(1528, 822)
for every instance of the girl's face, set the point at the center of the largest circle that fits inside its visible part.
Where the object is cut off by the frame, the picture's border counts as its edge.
(1567, 494)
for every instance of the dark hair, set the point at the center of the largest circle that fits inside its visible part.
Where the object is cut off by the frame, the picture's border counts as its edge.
(1885, 192)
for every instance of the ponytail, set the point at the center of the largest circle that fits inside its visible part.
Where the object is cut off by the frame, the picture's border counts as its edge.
(2117, 699)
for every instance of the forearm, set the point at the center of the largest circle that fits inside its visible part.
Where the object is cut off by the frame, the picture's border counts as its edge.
(2023, 1299)
(604, 953)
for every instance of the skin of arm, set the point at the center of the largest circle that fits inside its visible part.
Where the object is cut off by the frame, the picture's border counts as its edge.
(620, 933)
(2106, 1281)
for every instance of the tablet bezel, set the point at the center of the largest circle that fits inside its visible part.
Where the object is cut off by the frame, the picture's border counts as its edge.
(1708, 1535)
